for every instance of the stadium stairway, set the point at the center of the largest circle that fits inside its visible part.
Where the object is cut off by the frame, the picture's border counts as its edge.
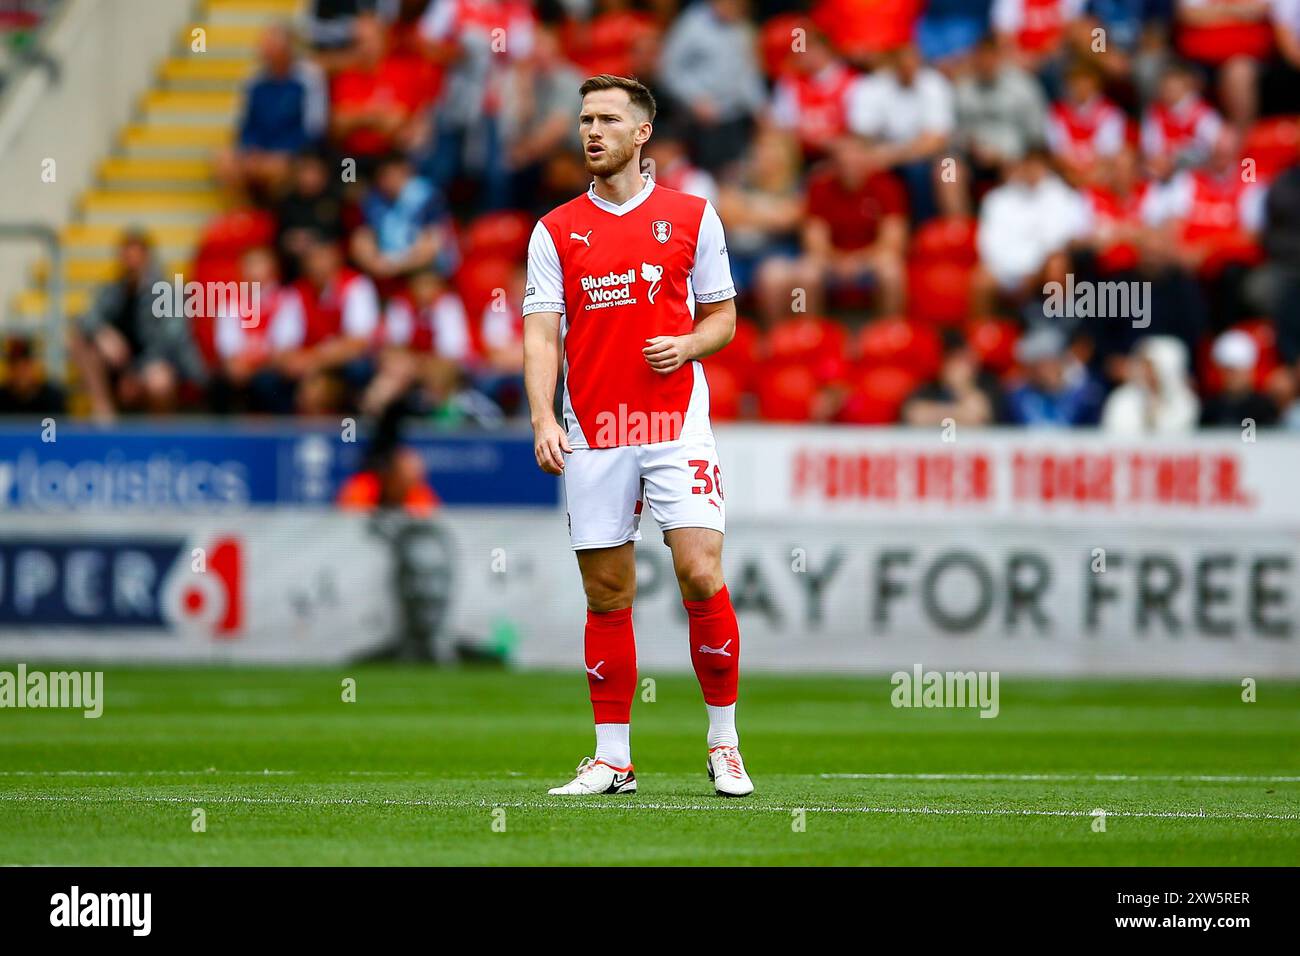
(158, 174)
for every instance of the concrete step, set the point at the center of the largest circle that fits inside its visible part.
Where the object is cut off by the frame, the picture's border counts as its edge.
(222, 39)
(174, 139)
(102, 206)
(168, 174)
(201, 72)
(256, 8)
(79, 273)
(88, 240)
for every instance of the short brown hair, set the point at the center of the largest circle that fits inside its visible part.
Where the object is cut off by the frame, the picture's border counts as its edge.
(637, 92)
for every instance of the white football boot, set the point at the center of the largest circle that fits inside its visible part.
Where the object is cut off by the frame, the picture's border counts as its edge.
(727, 771)
(595, 777)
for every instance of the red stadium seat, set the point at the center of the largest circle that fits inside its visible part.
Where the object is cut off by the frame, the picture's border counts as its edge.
(741, 356)
(478, 279)
(878, 395)
(725, 390)
(231, 234)
(786, 391)
(810, 340)
(900, 342)
(939, 291)
(948, 239)
(994, 340)
(744, 348)
(498, 234)
(1274, 144)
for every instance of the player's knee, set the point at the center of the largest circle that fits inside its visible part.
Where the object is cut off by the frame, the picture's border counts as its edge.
(699, 580)
(608, 592)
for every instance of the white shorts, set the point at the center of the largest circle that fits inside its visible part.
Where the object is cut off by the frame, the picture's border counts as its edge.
(605, 488)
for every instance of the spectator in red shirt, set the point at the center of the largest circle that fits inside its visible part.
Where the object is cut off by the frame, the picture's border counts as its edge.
(607, 43)
(1179, 129)
(425, 340)
(1033, 34)
(1233, 36)
(377, 100)
(247, 380)
(1113, 227)
(855, 232)
(324, 328)
(1084, 128)
(866, 29)
(812, 101)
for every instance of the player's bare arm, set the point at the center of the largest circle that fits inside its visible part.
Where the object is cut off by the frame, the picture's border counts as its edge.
(541, 370)
(715, 326)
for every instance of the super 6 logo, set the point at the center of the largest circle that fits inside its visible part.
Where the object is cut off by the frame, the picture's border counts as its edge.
(103, 583)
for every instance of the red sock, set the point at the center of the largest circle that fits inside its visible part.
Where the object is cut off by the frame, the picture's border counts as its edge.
(715, 647)
(611, 664)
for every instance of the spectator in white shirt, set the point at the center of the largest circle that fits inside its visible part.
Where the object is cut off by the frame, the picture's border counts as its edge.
(1025, 227)
(908, 109)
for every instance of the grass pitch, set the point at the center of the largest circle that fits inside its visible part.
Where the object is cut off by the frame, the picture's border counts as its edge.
(425, 762)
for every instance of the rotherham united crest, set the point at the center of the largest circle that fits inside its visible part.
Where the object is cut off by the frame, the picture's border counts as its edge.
(662, 229)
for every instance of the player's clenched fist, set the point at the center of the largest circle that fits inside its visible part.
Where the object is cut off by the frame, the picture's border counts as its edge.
(550, 445)
(667, 353)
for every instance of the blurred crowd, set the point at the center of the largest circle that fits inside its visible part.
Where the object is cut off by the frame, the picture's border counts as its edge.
(932, 209)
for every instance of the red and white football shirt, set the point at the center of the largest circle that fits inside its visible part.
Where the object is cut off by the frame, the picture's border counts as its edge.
(248, 337)
(1080, 132)
(619, 275)
(439, 328)
(306, 316)
(1185, 131)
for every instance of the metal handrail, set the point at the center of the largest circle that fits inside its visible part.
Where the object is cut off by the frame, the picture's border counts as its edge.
(55, 324)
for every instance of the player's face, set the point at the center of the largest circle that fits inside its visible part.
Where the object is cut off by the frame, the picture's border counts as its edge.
(611, 130)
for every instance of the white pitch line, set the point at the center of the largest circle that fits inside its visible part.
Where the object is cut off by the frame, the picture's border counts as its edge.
(213, 772)
(626, 804)
(1065, 777)
(976, 777)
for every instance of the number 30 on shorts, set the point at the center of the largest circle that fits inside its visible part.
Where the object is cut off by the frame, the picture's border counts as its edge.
(707, 482)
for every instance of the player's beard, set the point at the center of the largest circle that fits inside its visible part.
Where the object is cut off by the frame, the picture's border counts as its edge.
(611, 161)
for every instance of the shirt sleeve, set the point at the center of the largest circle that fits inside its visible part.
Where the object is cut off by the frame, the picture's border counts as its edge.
(452, 328)
(937, 105)
(360, 309)
(784, 110)
(499, 328)
(438, 21)
(1005, 16)
(1110, 134)
(863, 110)
(711, 277)
(1152, 137)
(544, 291)
(1251, 208)
(289, 324)
(228, 337)
(398, 323)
